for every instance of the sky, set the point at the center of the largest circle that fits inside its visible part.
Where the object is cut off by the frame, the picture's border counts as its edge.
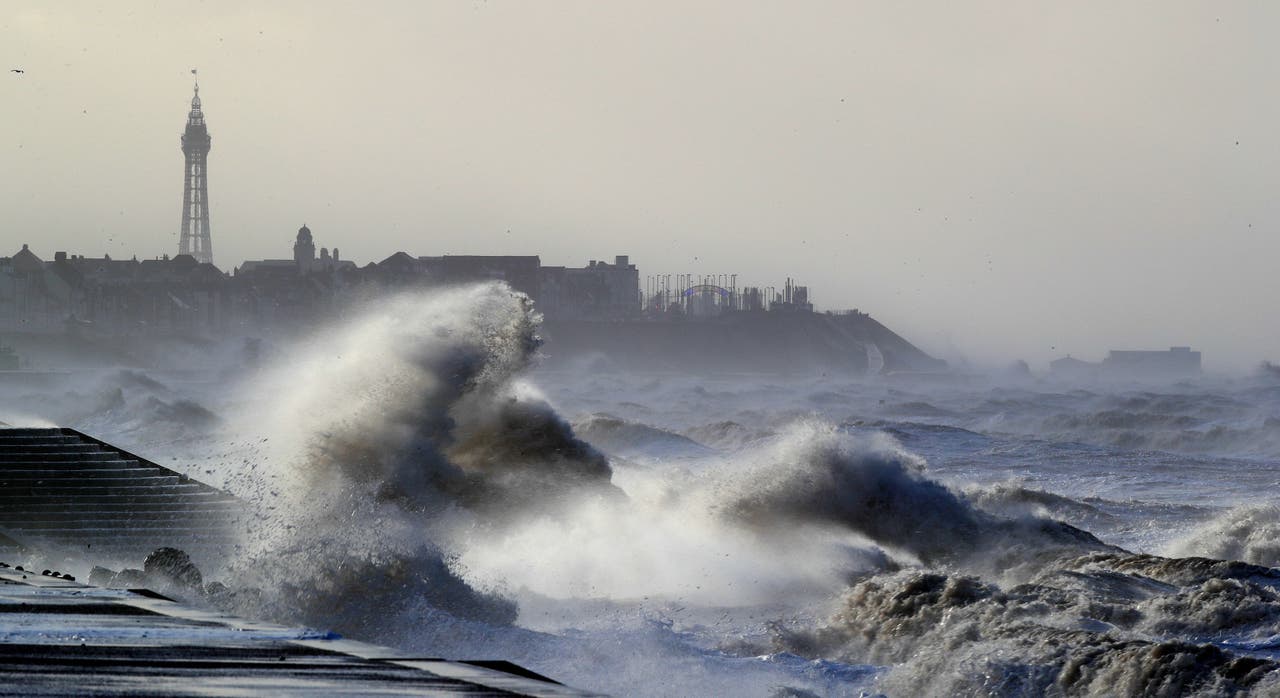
(994, 180)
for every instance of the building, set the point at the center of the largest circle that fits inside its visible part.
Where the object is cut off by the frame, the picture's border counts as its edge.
(32, 297)
(304, 260)
(194, 238)
(1174, 363)
(177, 296)
(1177, 362)
(283, 294)
(1068, 367)
(521, 272)
(598, 291)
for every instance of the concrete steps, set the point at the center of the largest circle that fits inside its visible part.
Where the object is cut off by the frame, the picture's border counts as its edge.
(50, 509)
(62, 464)
(152, 526)
(7, 448)
(60, 488)
(54, 457)
(103, 478)
(72, 639)
(31, 470)
(110, 498)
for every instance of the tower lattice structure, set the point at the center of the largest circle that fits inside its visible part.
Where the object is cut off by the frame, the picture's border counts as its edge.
(195, 239)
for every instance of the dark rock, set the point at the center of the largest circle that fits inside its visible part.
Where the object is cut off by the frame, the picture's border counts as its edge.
(215, 589)
(101, 576)
(128, 579)
(173, 566)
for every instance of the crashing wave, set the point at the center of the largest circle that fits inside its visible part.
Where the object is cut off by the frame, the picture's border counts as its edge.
(1013, 500)
(633, 439)
(420, 481)
(389, 432)
(727, 435)
(1249, 533)
(958, 635)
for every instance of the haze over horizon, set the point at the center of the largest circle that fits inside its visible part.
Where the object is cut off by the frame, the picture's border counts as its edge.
(994, 182)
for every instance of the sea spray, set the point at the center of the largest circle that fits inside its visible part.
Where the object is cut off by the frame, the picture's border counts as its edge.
(958, 635)
(406, 473)
(1250, 533)
(416, 488)
(381, 436)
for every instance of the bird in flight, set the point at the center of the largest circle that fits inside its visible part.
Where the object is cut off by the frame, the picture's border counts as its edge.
(16, 70)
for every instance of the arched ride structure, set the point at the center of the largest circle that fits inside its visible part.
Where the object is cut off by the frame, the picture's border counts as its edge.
(707, 299)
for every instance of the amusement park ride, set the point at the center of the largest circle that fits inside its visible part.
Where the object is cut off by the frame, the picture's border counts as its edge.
(716, 294)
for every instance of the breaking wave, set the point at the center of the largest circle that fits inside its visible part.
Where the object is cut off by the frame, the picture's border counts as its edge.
(131, 406)
(402, 427)
(633, 439)
(1194, 424)
(821, 476)
(1249, 533)
(1012, 500)
(726, 435)
(419, 489)
(1090, 627)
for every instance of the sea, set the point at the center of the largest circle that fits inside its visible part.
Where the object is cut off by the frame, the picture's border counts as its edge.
(421, 478)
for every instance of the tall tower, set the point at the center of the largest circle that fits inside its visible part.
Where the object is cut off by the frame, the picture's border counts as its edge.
(195, 186)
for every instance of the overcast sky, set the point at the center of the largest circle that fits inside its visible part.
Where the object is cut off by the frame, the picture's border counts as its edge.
(994, 180)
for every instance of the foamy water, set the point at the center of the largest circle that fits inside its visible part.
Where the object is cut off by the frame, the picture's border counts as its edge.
(419, 482)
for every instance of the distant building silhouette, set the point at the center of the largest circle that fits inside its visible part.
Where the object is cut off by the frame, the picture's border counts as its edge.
(195, 239)
(304, 249)
(1073, 368)
(598, 291)
(75, 293)
(304, 260)
(101, 296)
(1177, 362)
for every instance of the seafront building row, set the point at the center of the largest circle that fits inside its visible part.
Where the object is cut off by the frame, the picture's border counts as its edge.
(180, 295)
(606, 308)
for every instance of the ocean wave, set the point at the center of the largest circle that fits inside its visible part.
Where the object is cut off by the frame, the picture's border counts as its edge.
(727, 434)
(634, 439)
(957, 634)
(387, 435)
(918, 409)
(819, 475)
(1250, 533)
(1175, 433)
(420, 490)
(1014, 500)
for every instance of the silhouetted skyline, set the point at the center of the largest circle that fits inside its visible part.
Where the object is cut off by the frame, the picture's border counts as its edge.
(999, 180)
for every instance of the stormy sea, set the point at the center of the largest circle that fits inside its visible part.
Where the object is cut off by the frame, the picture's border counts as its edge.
(420, 477)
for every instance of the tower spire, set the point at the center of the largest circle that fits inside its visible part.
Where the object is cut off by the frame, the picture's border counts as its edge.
(195, 239)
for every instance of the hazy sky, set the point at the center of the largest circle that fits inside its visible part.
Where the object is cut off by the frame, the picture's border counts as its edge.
(994, 180)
